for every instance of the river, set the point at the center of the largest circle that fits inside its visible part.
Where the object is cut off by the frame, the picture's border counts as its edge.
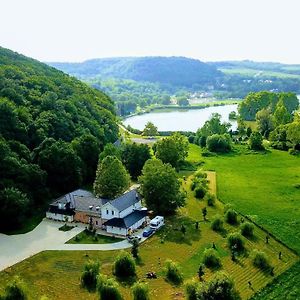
(181, 120)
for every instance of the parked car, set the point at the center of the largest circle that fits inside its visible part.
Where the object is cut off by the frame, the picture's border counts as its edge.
(148, 231)
(157, 222)
(130, 238)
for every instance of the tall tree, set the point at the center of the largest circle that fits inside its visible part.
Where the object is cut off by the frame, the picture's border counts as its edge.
(112, 178)
(134, 157)
(160, 187)
(265, 121)
(293, 134)
(150, 129)
(281, 114)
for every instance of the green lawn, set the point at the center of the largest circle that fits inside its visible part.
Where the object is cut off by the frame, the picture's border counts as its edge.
(57, 273)
(88, 238)
(262, 186)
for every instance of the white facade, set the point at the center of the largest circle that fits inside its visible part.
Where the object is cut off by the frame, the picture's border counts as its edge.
(59, 217)
(108, 211)
(124, 231)
(130, 209)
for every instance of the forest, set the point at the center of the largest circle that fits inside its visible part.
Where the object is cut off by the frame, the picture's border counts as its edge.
(52, 128)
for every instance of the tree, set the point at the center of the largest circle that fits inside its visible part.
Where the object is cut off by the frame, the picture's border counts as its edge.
(87, 148)
(140, 291)
(173, 272)
(160, 187)
(236, 242)
(108, 288)
(134, 157)
(231, 217)
(110, 150)
(182, 101)
(124, 265)
(265, 121)
(150, 130)
(211, 259)
(293, 134)
(14, 206)
(247, 229)
(217, 223)
(201, 271)
(218, 143)
(15, 290)
(281, 114)
(89, 275)
(255, 141)
(173, 149)
(62, 165)
(210, 127)
(135, 248)
(112, 178)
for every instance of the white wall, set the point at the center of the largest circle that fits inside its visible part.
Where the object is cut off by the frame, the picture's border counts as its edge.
(109, 215)
(58, 217)
(116, 230)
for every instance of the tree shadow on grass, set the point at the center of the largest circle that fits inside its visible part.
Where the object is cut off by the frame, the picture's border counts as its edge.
(139, 261)
(173, 231)
(127, 281)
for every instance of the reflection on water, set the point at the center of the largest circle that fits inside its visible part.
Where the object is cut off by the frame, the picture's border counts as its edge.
(181, 120)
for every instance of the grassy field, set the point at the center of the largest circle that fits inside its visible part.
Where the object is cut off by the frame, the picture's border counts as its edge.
(87, 238)
(253, 72)
(56, 273)
(263, 186)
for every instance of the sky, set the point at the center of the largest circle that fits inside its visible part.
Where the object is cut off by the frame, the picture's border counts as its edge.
(209, 30)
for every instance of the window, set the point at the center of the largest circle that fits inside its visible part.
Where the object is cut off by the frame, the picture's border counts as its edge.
(107, 211)
(96, 222)
(112, 212)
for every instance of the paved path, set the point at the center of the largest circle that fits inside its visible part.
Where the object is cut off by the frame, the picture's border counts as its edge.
(15, 248)
(46, 236)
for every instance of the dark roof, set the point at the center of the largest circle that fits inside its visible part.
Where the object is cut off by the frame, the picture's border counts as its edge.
(89, 204)
(126, 200)
(127, 221)
(70, 197)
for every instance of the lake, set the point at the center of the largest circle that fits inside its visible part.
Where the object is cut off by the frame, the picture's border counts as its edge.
(181, 120)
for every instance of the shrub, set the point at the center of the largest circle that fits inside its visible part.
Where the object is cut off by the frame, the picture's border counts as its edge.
(191, 290)
(231, 217)
(109, 290)
(200, 191)
(124, 265)
(211, 259)
(218, 143)
(217, 223)
(247, 229)
(236, 242)
(15, 290)
(260, 260)
(255, 141)
(140, 291)
(89, 275)
(211, 199)
(173, 273)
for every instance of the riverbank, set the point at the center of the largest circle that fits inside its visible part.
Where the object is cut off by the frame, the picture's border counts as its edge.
(167, 108)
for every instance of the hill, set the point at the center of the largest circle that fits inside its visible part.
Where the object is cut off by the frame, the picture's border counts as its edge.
(52, 127)
(169, 71)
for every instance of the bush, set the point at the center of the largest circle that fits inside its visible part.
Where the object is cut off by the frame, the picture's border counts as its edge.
(260, 260)
(15, 290)
(247, 229)
(236, 242)
(211, 199)
(217, 223)
(200, 191)
(211, 259)
(255, 141)
(173, 273)
(109, 289)
(218, 143)
(231, 217)
(140, 291)
(191, 290)
(89, 275)
(124, 266)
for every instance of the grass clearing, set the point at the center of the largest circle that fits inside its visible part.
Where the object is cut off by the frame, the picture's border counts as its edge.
(85, 237)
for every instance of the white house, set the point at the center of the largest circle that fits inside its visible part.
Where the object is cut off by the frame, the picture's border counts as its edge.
(123, 214)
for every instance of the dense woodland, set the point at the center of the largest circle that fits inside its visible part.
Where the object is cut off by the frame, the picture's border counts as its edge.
(52, 128)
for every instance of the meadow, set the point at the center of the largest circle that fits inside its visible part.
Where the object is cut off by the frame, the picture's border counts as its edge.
(56, 274)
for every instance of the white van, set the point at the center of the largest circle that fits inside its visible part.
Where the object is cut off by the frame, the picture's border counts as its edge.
(157, 222)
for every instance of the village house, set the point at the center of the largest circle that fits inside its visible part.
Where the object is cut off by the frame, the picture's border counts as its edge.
(119, 216)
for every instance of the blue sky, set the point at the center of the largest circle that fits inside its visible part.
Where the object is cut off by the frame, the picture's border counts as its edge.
(210, 30)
